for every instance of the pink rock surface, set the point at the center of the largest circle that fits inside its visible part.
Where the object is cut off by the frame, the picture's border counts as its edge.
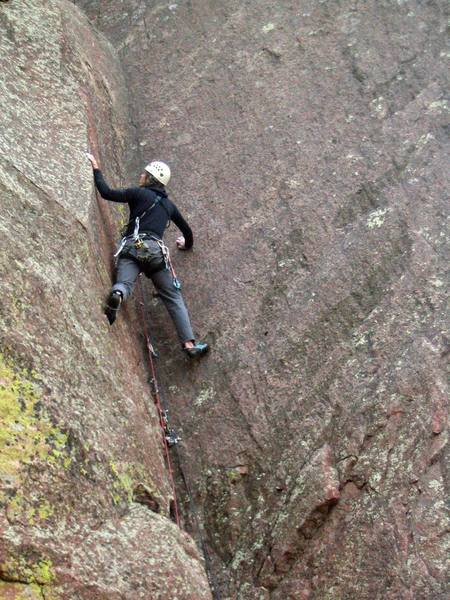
(308, 142)
(79, 432)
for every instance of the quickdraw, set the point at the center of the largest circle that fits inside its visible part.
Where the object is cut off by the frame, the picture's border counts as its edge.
(168, 262)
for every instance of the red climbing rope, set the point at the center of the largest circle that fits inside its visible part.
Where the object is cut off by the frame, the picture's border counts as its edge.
(157, 400)
(155, 389)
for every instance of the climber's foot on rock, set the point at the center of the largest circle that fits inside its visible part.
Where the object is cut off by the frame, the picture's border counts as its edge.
(112, 306)
(196, 350)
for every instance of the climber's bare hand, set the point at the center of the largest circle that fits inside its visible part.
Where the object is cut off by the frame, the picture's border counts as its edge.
(91, 157)
(181, 243)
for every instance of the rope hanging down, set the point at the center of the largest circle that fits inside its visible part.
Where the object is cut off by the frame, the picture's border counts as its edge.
(157, 400)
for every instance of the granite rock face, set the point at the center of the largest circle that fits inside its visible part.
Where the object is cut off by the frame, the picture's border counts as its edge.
(79, 432)
(308, 142)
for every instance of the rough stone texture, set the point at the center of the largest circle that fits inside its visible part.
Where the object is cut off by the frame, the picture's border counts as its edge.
(79, 433)
(308, 142)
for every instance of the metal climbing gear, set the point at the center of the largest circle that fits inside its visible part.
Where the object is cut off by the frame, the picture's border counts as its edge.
(171, 435)
(168, 434)
(138, 241)
(168, 262)
(135, 236)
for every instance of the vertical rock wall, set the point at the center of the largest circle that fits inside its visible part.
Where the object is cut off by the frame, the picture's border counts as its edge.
(308, 143)
(79, 436)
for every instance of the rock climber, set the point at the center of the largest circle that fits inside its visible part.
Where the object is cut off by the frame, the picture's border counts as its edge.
(142, 248)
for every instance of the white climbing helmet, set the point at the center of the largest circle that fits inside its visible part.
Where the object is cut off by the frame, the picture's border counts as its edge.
(159, 170)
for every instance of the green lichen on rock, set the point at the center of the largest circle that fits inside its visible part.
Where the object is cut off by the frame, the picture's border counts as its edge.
(43, 572)
(123, 482)
(34, 511)
(126, 477)
(233, 476)
(206, 394)
(26, 571)
(132, 483)
(27, 436)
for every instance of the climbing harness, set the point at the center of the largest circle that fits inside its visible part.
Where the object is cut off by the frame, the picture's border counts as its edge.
(137, 220)
(135, 245)
(135, 236)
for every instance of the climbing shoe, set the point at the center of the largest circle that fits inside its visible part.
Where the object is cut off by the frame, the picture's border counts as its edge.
(112, 305)
(198, 350)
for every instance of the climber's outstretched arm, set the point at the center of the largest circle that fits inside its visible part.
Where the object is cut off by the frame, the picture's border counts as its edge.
(104, 189)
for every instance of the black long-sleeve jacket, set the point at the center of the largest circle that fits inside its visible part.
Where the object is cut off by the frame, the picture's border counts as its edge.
(139, 199)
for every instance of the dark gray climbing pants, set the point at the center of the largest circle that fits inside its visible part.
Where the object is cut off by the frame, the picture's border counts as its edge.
(127, 273)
